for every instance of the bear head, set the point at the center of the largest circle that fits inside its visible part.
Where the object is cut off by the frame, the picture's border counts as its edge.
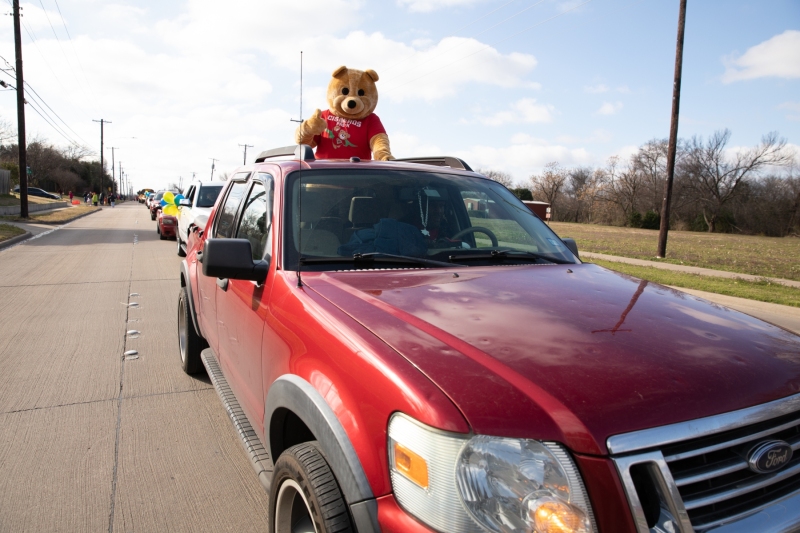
(352, 93)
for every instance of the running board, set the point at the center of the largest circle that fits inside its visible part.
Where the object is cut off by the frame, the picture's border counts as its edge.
(259, 457)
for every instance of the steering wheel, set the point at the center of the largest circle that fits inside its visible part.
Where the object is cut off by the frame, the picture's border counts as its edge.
(478, 229)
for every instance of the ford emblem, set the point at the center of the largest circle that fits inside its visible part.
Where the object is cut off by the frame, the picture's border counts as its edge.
(769, 456)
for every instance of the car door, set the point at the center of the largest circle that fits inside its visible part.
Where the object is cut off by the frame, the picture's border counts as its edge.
(223, 227)
(241, 304)
(184, 218)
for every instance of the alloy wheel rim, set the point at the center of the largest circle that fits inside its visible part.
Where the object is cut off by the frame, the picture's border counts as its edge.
(292, 512)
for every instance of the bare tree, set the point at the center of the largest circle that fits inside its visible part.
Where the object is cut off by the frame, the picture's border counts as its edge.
(7, 132)
(717, 178)
(547, 186)
(503, 178)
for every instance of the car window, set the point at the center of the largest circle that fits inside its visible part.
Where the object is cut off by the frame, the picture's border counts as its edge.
(190, 193)
(257, 218)
(227, 215)
(208, 195)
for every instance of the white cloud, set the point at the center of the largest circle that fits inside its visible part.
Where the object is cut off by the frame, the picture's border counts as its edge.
(598, 135)
(522, 111)
(777, 57)
(596, 89)
(609, 108)
(793, 108)
(525, 156)
(426, 6)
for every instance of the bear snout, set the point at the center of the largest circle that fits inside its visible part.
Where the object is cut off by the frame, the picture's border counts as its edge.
(351, 104)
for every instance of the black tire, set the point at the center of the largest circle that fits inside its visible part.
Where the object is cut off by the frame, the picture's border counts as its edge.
(181, 253)
(160, 235)
(152, 216)
(190, 344)
(304, 491)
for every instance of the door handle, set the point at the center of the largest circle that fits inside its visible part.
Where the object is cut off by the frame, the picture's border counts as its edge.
(222, 284)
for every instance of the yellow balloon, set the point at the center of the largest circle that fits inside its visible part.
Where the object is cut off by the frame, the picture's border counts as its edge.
(170, 210)
(168, 197)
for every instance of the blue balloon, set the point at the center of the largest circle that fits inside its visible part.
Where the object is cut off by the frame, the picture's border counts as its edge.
(178, 198)
(163, 203)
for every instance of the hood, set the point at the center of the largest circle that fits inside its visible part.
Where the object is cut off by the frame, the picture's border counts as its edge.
(573, 353)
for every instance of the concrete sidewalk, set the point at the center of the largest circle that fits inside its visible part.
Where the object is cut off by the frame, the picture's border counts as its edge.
(689, 269)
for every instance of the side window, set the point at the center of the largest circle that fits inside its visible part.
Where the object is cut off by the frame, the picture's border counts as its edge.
(224, 224)
(257, 217)
(190, 193)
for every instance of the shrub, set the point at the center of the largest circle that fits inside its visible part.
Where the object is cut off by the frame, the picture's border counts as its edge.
(651, 220)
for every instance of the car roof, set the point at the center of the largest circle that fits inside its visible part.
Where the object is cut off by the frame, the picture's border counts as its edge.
(329, 164)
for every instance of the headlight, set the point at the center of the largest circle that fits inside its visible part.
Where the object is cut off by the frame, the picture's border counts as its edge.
(521, 485)
(478, 484)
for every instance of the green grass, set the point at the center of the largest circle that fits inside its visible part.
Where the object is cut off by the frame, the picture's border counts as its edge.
(13, 199)
(762, 291)
(8, 231)
(746, 254)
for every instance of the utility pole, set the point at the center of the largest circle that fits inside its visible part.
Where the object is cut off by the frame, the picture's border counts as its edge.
(673, 135)
(113, 173)
(23, 155)
(213, 162)
(246, 146)
(102, 163)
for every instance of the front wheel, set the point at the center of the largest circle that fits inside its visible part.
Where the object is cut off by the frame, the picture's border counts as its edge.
(305, 497)
(190, 343)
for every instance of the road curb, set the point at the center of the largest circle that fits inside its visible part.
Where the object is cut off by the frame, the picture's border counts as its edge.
(14, 240)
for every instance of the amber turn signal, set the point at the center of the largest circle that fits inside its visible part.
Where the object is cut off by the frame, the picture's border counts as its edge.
(411, 465)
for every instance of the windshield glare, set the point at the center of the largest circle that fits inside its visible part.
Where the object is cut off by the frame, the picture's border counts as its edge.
(418, 214)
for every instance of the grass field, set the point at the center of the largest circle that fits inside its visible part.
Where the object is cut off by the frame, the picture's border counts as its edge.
(59, 216)
(13, 199)
(7, 231)
(745, 254)
(763, 291)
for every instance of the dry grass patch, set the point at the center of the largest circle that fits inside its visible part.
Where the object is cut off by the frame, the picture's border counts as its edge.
(8, 231)
(59, 216)
(13, 199)
(760, 256)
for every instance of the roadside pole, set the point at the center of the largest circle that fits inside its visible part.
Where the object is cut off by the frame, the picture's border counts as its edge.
(102, 164)
(23, 155)
(673, 136)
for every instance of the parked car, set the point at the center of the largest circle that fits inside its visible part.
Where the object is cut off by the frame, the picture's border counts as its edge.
(153, 203)
(35, 191)
(392, 363)
(166, 225)
(199, 198)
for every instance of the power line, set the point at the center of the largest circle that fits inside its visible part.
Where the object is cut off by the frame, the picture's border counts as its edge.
(490, 45)
(64, 23)
(54, 112)
(58, 40)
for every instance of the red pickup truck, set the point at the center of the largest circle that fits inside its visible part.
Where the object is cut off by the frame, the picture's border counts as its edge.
(396, 362)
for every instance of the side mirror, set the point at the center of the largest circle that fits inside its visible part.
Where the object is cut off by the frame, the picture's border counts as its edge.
(185, 203)
(572, 245)
(232, 259)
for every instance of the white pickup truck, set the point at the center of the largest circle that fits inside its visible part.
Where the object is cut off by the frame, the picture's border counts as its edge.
(199, 198)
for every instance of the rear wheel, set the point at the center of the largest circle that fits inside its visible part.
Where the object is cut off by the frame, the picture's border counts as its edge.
(305, 497)
(189, 342)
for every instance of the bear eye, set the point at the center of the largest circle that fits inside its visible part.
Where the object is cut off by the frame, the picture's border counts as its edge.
(361, 92)
(345, 91)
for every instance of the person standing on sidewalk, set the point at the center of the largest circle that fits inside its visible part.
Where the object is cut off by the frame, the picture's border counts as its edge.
(94, 199)
(112, 199)
(70, 197)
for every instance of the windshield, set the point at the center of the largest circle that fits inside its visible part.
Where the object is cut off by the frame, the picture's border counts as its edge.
(442, 217)
(208, 195)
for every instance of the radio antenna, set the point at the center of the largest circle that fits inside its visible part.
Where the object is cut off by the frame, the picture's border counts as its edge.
(301, 90)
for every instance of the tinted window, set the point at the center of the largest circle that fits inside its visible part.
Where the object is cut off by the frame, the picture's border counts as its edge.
(256, 219)
(189, 194)
(225, 219)
(208, 195)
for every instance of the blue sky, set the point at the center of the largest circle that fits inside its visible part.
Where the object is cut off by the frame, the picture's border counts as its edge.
(508, 85)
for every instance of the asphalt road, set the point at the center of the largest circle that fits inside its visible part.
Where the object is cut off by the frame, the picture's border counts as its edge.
(89, 440)
(92, 441)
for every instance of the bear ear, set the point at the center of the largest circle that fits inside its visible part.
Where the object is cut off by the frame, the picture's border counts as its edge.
(372, 74)
(339, 71)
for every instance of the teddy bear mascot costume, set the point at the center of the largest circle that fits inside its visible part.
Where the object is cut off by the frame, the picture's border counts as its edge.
(349, 127)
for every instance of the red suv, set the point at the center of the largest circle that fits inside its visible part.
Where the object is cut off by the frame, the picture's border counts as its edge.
(407, 347)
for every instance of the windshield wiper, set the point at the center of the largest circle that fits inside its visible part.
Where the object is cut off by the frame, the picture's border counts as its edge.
(501, 255)
(376, 257)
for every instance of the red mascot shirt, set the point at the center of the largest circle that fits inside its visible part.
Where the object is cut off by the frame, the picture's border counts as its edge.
(345, 137)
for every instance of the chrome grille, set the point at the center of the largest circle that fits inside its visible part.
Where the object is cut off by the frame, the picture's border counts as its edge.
(697, 473)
